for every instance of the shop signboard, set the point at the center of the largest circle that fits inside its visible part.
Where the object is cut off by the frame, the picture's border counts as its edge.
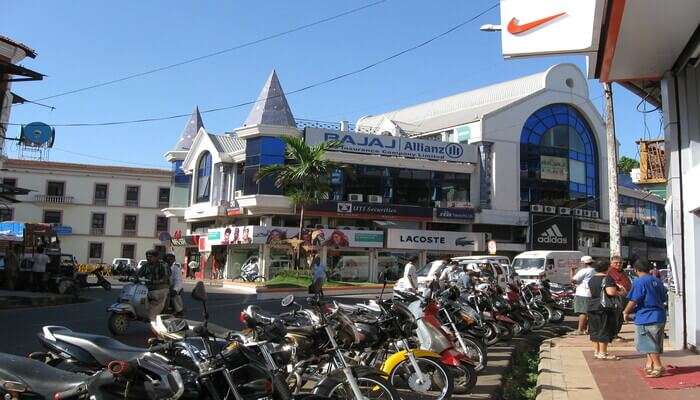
(455, 213)
(62, 230)
(468, 133)
(353, 142)
(278, 235)
(554, 168)
(351, 209)
(552, 233)
(435, 240)
(594, 227)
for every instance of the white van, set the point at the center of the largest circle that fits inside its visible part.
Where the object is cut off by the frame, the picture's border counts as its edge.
(503, 261)
(553, 265)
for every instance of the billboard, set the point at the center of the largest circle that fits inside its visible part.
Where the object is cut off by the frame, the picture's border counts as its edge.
(278, 235)
(370, 210)
(434, 240)
(552, 233)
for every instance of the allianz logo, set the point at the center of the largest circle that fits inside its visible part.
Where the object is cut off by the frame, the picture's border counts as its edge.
(552, 235)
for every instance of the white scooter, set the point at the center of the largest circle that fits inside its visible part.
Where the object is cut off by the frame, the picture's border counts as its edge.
(132, 305)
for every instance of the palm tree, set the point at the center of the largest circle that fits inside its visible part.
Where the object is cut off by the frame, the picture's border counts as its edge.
(304, 177)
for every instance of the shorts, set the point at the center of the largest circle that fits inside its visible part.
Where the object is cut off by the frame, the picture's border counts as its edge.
(649, 338)
(602, 326)
(580, 304)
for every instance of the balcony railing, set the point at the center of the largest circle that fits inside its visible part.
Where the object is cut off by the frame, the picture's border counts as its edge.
(44, 198)
(100, 202)
(132, 203)
(97, 231)
(129, 233)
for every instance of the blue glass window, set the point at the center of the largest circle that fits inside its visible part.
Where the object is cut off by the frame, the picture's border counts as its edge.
(204, 178)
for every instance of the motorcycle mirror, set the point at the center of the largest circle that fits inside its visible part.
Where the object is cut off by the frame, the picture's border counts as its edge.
(288, 300)
(199, 293)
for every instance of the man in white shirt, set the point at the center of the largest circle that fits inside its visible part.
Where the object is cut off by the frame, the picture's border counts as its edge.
(176, 284)
(409, 274)
(41, 278)
(448, 274)
(583, 292)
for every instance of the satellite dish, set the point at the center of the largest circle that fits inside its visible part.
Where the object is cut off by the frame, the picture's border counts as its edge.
(37, 134)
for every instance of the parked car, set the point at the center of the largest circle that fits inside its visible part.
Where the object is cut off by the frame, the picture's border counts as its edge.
(123, 266)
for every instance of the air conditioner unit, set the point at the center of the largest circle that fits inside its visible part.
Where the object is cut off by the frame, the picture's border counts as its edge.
(578, 212)
(354, 197)
(595, 214)
(550, 209)
(587, 213)
(238, 193)
(564, 211)
(536, 208)
(373, 198)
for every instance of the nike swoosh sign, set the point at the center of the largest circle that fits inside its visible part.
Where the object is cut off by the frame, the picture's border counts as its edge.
(515, 28)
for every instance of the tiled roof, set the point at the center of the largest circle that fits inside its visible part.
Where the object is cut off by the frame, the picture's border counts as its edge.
(30, 52)
(53, 165)
(227, 143)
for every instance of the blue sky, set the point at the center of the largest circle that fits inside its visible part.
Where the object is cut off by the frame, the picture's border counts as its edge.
(90, 41)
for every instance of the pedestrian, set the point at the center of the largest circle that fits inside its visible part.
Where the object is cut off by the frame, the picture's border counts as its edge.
(647, 301)
(176, 285)
(602, 321)
(157, 275)
(319, 275)
(624, 285)
(40, 277)
(410, 275)
(448, 274)
(11, 268)
(580, 278)
(192, 268)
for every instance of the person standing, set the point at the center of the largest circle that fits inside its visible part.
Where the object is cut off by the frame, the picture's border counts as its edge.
(647, 301)
(624, 285)
(410, 275)
(580, 278)
(448, 274)
(41, 278)
(319, 275)
(157, 275)
(602, 322)
(192, 268)
(176, 285)
(11, 268)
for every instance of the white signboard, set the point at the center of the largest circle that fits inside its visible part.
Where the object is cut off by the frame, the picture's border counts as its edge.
(594, 227)
(554, 168)
(537, 27)
(274, 235)
(353, 142)
(434, 240)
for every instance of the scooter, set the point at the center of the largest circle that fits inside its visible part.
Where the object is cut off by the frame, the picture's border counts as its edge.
(132, 305)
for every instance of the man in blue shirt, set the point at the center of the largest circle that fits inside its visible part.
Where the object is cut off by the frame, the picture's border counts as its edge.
(647, 301)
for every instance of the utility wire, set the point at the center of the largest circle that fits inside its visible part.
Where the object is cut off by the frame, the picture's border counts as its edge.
(216, 53)
(111, 159)
(302, 89)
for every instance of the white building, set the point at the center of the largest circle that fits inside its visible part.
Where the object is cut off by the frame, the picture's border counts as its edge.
(100, 212)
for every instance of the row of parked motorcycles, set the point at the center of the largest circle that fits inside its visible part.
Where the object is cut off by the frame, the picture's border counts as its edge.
(428, 345)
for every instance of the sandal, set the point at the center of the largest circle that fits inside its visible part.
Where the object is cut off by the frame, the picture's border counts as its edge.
(655, 373)
(651, 369)
(607, 357)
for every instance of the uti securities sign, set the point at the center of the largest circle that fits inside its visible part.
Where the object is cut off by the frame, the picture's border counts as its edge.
(353, 142)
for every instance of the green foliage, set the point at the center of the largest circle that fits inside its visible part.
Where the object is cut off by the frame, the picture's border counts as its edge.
(520, 383)
(626, 164)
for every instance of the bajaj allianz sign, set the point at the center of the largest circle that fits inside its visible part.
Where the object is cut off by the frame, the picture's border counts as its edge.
(353, 142)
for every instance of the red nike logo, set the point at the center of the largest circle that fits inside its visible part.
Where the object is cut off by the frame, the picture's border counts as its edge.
(515, 28)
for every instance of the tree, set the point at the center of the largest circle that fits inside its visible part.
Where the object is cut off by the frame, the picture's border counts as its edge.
(626, 164)
(304, 177)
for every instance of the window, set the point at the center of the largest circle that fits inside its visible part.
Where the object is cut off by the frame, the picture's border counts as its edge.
(12, 182)
(130, 224)
(203, 178)
(128, 250)
(6, 214)
(163, 197)
(56, 189)
(132, 196)
(95, 251)
(100, 197)
(161, 224)
(97, 225)
(52, 217)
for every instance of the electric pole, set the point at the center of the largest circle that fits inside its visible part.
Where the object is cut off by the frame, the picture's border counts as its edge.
(612, 171)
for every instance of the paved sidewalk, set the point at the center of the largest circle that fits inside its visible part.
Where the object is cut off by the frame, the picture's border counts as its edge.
(568, 371)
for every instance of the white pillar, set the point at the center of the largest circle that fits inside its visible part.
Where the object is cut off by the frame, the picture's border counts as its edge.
(613, 204)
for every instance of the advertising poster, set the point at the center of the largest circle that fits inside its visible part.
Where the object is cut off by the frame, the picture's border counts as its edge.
(277, 235)
(552, 233)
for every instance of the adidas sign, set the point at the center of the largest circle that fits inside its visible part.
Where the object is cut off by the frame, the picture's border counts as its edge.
(552, 235)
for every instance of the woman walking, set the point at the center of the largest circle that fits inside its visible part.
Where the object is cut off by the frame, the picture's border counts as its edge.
(602, 321)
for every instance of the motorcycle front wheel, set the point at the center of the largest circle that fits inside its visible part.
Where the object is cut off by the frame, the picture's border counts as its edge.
(118, 324)
(438, 385)
(491, 333)
(557, 315)
(538, 319)
(507, 332)
(465, 378)
(476, 351)
(372, 386)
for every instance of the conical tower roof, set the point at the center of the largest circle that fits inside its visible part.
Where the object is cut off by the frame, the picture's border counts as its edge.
(190, 131)
(272, 107)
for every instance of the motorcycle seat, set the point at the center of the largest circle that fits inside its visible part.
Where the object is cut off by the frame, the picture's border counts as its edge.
(103, 348)
(39, 377)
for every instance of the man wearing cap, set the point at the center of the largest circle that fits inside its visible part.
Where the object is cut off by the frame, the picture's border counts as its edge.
(580, 278)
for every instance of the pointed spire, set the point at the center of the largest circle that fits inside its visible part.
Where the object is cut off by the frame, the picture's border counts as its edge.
(190, 131)
(272, 107)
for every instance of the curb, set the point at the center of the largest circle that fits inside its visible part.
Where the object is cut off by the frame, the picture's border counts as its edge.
(6, 303)
(550, 379)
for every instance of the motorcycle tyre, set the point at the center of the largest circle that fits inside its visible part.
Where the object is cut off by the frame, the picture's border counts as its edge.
(557, 315)
(518, 329)
(118, 324)
(464, 379)
(507, 332)
(437, 364)
(330, 384)
(480, 347)
(492, 333)
(539, 320)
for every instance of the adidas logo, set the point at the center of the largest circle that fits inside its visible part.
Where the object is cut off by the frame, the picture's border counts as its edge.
(552, 235)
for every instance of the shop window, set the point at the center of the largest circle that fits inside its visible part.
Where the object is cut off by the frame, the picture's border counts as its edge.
(348, 266)
(6, 214)
(53, 217)
(204, 178)
(100, 195)
(129, 250)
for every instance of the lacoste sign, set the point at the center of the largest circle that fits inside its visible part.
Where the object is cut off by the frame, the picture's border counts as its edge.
(353, 142)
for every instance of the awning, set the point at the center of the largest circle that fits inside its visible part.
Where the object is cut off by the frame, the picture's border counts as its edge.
(12, 69)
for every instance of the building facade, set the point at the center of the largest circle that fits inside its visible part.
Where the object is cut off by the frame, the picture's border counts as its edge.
(519, 164)
(100, 212)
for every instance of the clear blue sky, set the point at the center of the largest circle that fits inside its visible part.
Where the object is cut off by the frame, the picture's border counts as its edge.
(88, 41)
